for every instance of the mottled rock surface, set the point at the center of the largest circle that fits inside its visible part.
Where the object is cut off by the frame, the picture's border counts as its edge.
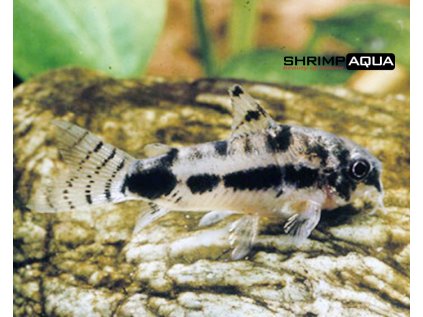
(89, 264)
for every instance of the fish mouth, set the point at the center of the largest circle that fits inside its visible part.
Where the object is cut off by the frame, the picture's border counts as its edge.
(369, 198)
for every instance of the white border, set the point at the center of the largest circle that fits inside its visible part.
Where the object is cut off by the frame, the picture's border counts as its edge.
(416, 167)
(6, 159)
(6, 163)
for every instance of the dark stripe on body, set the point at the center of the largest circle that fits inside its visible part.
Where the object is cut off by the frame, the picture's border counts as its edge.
(260, 178)
(301, 176)
(199, 184)
(272, 176)
(221, 147)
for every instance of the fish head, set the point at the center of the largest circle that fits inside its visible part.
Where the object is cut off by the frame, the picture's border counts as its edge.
(355, 178)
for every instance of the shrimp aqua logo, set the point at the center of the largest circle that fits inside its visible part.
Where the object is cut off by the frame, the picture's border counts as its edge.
(352, 61)
(370, 61)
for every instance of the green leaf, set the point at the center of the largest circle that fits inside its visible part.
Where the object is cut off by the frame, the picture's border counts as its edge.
(371, 28)
(242, 26)
(207, 57)
(114, 36)
(266, 65)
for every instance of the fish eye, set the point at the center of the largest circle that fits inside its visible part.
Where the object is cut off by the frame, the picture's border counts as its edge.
(359, 169)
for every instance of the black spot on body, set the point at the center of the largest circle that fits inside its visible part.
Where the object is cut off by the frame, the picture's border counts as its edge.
(221, 147)
(320, 151)
(281, 141)
(343, 156)
(261, 178)
(342, 184)
(202, 183)
(252, 115)
(301, 177)
(170, 157)
(236, 91)
(151, 183)
(195, 154)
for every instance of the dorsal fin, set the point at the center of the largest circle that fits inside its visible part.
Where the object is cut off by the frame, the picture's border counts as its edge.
(248, 115)
(156, 149)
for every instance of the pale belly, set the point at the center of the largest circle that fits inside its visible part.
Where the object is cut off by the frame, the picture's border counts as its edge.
(267, 203)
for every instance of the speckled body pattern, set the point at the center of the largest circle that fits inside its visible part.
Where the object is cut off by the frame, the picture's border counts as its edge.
(263, 169)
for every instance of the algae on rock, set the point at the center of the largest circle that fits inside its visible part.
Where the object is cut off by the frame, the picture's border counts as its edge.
(89, 264)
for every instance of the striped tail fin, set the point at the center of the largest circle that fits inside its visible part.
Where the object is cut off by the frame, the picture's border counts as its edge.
(95, 175)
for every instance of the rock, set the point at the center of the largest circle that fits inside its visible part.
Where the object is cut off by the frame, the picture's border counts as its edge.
(89, 264)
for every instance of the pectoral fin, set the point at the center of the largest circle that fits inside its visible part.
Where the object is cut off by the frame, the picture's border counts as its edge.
(243, 232)
(301, 224)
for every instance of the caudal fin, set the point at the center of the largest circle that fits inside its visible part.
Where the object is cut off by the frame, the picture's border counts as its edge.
(95, 174)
